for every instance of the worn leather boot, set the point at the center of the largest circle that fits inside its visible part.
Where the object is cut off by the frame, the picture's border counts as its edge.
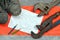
(3, 16)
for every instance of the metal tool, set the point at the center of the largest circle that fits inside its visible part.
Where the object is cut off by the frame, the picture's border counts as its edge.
(47, 21)
(50, 26)
(45, 7)
(12, 29)
(44, 26)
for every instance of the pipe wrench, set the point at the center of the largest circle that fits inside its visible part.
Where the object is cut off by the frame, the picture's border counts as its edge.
(45, 7)
(47, 21)
(50, 26)
(46, 26)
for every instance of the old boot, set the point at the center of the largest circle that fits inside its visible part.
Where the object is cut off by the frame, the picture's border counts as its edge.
(14, 7)
(3, 16)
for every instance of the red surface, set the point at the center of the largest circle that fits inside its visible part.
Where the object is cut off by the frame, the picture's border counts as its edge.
(53, 32)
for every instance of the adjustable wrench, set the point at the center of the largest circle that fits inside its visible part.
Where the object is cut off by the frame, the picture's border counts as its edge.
(44, 25)
(50, 26)
(45, 7)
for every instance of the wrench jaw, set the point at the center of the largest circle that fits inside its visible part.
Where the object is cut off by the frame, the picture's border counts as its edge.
(35, 36)
(43, 13)
(39, 27)
(38, 35)
(43, 7)
(40, 14)
(36, 6)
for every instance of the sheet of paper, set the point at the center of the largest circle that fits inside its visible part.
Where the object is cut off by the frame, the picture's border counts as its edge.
(26, 21)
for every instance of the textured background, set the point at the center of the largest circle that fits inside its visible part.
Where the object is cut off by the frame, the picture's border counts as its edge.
(30, 3)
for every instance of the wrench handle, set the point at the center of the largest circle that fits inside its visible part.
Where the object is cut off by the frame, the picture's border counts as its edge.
(54, 3)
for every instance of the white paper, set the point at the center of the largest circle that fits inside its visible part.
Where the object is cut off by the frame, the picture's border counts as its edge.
(26, 21)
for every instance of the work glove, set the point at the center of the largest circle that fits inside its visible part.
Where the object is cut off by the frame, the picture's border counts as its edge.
(12, 6)
(3, 16)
